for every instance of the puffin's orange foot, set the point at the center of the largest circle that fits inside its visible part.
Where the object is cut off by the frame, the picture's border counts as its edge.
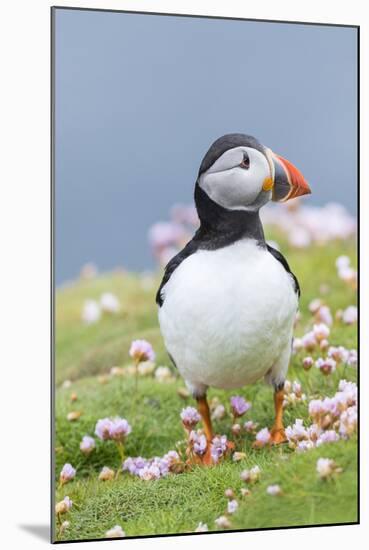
(278, 436)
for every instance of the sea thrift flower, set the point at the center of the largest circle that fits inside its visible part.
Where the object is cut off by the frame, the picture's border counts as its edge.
(297, 344)
(250, 426)
(239, 406)
(236, 429)
(134, 465)
(339, 354)
(274, 490)
(326, 467)
(64, 526)
(232, 506)
(309, 341)
(109, 303)
(87, 444)
(237, 456)
(218, 412)
(223, 522)
(102, 429)
(198, 442)
(201, 528)
(245, 492)
(321, 331)
(349, 316)
(329, 436)
(119, 429)
(324, 344)
(91, 312)
(307, 363)
(106, 474)
(229, 493)
(263, 437)
(352, 358)
(149, 473)
(163, 374)
(141, 350)
(315, 305)
(252, 475)
(297, 432)
(115, 533)
(116, 429)
(326, 366)
(67, 473)
(218, 447)
(324, 315)
(73, 415)
(342, 261)
(190, 417)
(63, 506)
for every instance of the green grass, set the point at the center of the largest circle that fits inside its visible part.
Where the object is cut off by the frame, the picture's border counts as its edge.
(179, 502)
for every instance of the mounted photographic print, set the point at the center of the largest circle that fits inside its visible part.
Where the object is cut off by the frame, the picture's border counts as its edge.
(205, 196)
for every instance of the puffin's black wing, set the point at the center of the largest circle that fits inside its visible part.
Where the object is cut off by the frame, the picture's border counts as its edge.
(190, 248)
(278, 256)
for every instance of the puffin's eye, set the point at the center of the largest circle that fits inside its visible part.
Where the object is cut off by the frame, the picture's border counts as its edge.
(246, 161)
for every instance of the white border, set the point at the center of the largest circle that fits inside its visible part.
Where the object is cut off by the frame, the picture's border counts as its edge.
(25, 173)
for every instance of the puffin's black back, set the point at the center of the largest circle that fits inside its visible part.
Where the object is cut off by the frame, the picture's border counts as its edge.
(228, 141)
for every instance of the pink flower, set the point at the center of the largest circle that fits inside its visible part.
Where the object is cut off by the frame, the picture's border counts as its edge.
(329, 436)
(119, 429)
(218, 447)
(87, 444)
(324, 315)
(116, 429)
(321, 331)
(198, 442)
(263, 436)
(250, 426)
(67, 473)
(349, 316)
(274, 490)
(232, 506)
(307, 363)
(309, 341)
(339, 354)
(190, 417)
(141, 350)
(326, 366)
(326, 467)
(239, 406)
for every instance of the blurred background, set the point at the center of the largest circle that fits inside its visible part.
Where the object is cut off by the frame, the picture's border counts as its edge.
(140, 98)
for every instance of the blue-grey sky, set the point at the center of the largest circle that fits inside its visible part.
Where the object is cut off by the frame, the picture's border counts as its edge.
(140, 98)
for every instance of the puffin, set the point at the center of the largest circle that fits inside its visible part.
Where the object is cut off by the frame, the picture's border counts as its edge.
(228, 300)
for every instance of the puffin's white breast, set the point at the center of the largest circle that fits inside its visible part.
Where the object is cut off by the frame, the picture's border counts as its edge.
(228, 315)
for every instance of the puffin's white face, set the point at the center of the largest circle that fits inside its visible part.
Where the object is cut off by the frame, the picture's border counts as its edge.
(241, 179)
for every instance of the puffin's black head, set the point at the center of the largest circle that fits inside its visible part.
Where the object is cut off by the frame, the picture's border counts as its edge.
(239, 174)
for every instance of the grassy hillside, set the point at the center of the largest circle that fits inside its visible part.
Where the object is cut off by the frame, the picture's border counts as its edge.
(177, 503)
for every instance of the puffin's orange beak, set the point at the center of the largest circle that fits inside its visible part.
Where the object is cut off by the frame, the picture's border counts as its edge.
(289, 183)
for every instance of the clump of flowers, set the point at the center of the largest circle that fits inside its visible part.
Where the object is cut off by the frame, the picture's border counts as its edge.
(140, 351)
(115, 429)
(63, 506)
(333, 418)
(346, 272)
(223, 522)
(327, 468)
(109, 303)
(293, 393)
(106, 474)
(87, 445)
(190, 418)
(349, 315)
(262, 437)
(163, 374)
(201, 528)
(91, 312)
(115, 532)
(252, 475)
(67, 473)
(326, 366)
(219, 447)
(239, 406)
(149, 469)
(274, 490)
